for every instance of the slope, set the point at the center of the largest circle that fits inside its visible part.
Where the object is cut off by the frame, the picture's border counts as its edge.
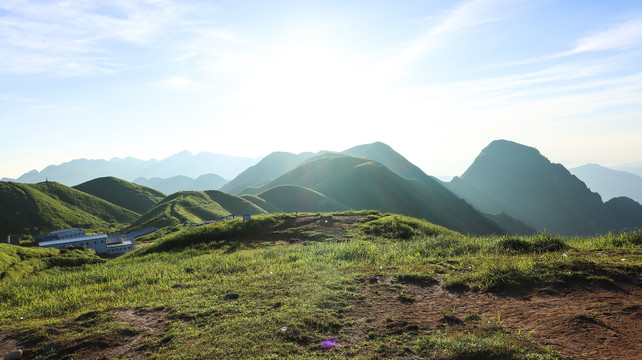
(189, 207)
(270, 167)
(365, 184)
(293, 198)
(43, 207)
(389, 158)
(610, 183)
(519, 181)
(134, 197)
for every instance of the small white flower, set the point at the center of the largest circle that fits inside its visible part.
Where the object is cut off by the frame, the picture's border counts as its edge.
(623, 259)
(380, 267)
(22, 318)
(284, 329)
(564, 255)
(271, 273)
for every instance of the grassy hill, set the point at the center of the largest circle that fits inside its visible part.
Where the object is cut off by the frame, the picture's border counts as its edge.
(134, 197)
(293, 198)
(270, 167)
(17, 262)
(47, 206)
(389, 158)
(189, 207)
(365, 184)
(361, 285)
(256, 200)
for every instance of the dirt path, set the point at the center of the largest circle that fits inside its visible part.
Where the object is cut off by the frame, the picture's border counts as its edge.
(589, 322)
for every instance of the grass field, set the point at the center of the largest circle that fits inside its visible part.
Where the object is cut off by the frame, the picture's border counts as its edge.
(361, 285)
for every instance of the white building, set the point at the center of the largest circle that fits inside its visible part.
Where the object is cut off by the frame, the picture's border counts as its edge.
(75, 237)
(103, 244)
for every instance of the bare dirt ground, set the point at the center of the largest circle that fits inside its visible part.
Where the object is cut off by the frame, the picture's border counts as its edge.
(136, 326)
(586, 322)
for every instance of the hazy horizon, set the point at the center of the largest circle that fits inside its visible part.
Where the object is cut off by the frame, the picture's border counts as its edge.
(437, 81)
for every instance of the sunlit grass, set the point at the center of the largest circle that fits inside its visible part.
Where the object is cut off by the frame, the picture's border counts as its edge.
(290, 298)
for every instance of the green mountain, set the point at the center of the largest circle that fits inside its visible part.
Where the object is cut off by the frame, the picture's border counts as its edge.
(183, 183)
(262, 203)
(391, 159)
(365, 184)
(270, 167)
(188, 207)
(518, 180)
(134, 197)
(293, 198)
(48, 206)
(623, 213)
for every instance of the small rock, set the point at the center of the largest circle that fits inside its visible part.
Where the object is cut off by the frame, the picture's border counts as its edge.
(14, 355)
(230, 296)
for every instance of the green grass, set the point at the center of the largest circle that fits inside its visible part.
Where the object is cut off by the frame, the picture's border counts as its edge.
(293, 297)
(134, 197)
(18, 262)
(192, 207)
(43, 207)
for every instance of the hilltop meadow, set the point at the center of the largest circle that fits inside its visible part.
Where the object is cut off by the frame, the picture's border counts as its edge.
(364, 285)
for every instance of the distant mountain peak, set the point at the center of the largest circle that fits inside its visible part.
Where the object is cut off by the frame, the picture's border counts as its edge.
(510, 147)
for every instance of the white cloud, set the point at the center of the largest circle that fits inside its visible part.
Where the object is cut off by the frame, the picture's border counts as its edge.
(467, 15)
(77, 37)
(621, 36)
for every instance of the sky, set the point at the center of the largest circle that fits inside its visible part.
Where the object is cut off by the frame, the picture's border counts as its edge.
(436, 80)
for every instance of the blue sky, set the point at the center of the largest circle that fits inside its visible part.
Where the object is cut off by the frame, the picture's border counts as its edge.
(436, 80)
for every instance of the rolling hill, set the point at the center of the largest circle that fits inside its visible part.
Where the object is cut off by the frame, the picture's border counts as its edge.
(269, 168)
(294, 198)
(190, 207)
(134, 197)
(361, 183)
(183, 183)
(43, 207)
(516, 179)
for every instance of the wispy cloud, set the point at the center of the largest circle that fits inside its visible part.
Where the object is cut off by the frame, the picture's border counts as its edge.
(465, 16)
(77, 37)
(620, 36)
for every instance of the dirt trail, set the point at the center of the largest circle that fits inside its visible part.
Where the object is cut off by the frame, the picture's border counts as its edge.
(589, 322)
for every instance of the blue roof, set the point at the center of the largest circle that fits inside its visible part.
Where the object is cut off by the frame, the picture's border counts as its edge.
(73, 240)
(124, 243)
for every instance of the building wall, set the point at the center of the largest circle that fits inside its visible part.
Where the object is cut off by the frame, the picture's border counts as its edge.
(99, 245)
(120, 249)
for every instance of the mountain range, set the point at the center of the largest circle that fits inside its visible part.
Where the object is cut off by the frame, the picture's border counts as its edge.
(610, 183)
(182, 183)
(182, 164)
(509, 188)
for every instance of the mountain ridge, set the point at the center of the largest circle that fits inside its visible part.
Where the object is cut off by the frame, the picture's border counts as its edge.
(520, 181)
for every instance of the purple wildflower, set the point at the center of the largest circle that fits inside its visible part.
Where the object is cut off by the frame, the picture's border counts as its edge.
(329, 343)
